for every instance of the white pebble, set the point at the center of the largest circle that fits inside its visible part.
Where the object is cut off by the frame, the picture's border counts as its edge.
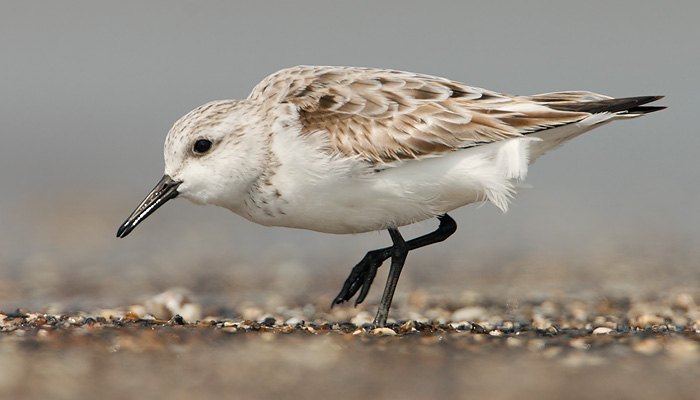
(383, 332)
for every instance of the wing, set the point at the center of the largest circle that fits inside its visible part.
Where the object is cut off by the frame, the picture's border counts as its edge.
(384, 116)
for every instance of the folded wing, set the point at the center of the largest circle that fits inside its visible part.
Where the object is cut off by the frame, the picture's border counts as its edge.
(385, 116)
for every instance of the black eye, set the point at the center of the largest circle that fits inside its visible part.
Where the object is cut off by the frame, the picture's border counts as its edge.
(202, 146)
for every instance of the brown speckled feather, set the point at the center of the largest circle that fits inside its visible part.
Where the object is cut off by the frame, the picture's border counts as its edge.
(385, 115)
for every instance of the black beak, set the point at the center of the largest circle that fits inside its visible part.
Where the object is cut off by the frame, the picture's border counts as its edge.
(165, 190)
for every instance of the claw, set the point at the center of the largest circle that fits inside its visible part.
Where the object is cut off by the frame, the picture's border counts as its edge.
(367, 282)
(362, 276)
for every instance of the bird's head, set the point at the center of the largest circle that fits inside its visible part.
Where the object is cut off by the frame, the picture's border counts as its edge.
(207, 160)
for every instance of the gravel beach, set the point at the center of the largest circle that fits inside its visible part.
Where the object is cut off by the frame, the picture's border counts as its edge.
(617, 327)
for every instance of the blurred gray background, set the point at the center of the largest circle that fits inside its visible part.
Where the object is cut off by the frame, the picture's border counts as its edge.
(88, 91)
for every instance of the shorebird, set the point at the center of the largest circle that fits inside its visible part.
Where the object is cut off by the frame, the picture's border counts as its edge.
(351, 150)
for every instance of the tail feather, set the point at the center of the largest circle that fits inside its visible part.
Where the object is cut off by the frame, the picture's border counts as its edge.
(601, 112)
(633, 105)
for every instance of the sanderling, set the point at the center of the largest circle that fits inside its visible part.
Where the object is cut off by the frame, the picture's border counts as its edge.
(351, 150)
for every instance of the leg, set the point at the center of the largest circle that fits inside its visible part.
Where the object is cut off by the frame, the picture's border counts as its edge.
(398, 258)
(363, 273)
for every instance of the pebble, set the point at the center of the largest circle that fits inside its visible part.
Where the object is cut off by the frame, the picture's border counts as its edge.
(172, 302)
(383, 332)
(293, 321)
(508, 325)
(647, 319)
(363, 317)
(552, 330)
(408, 326)
(602, 330)
(540, 322)
(461, 325)
(695, 326)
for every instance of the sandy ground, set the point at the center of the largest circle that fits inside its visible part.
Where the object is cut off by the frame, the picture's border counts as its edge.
(153, 361)
(617, 324)
(83, 315)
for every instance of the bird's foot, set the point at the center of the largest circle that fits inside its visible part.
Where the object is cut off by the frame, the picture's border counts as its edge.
(362, 276)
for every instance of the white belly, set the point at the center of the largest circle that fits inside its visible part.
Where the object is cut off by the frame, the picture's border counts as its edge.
(329, 195)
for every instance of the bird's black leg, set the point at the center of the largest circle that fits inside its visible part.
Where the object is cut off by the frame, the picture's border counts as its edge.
(363, 273)
(399, 251)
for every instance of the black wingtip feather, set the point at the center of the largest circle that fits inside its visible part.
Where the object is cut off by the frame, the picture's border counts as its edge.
(646, 109)
(629, 104)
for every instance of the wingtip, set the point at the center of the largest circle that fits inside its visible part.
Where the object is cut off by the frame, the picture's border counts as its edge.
(640, 108)
(646, 109)
(634, 105)
(647, 99)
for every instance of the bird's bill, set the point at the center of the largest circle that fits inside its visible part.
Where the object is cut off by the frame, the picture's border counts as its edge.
(165, 190)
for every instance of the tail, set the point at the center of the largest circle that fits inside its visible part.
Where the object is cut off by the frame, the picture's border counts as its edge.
(601, 110)
(621, 106)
